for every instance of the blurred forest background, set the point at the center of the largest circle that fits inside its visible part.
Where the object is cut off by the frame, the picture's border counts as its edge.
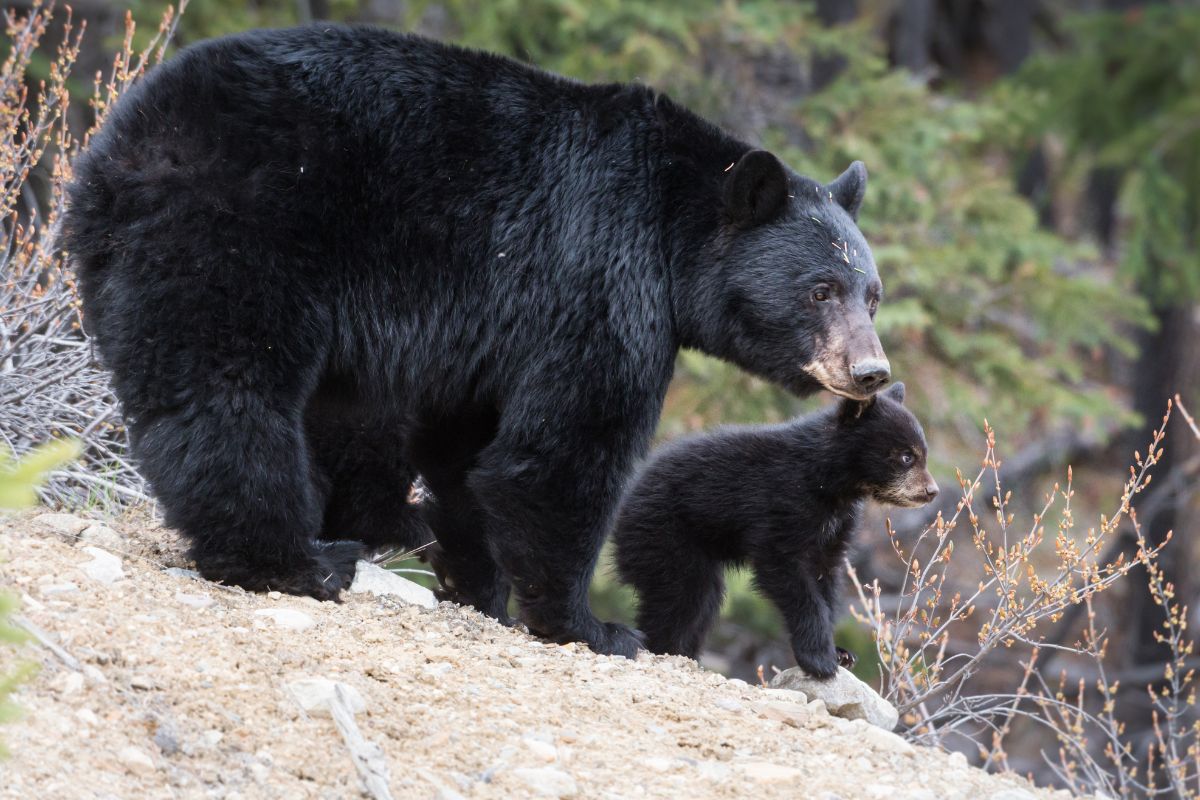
(1034, 209)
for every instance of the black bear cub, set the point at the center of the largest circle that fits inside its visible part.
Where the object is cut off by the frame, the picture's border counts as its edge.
(783, 499)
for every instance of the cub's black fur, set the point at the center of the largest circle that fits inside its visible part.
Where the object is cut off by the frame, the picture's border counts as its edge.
(323, 260)
(783, 499)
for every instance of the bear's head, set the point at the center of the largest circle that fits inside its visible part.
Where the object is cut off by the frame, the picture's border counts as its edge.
(790, 287)
(887, 448)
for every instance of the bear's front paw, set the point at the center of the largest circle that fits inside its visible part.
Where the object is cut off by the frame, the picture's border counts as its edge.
(323, 573)
(845, 658)
(822, 664)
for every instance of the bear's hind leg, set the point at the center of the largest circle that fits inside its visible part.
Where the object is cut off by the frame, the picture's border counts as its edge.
(366, 479)
(233, 475)
(445, 451)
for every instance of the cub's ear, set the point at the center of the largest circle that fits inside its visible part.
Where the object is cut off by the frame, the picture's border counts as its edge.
(756, 189)
(851, 410)
(895, 391)
(849, 188)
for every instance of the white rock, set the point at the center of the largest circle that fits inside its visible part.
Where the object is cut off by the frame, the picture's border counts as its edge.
(547, 781)
(316, 695)
(135, 760)
(959, 760)
(713, 770)
(94, 675)
(193, 600)
(51, 589)
(887, 741)
(792, 714)
(63, 524)
(180, 572)
(844, 695)
(101, 535)
(67, 683)
(728, 704)
(288, 618)
(104, 566)
(542, 750)
(378, 581)
(766, 772)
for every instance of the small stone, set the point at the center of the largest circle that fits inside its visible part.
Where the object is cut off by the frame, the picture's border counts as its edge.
(542, 750)
(104, 566)
(87, 716)
(273, 595)
(766, 772)
(792, 714)
(547, 781)
(378, 581)
(656, 764)
(94, 675)
(212, 738)
(52, 589)
(102, 536)
(142, 682)
(166, 739)
(959, 760)
(790, 695)
(180, 572)
(713, 771)
(135, 760)
(887, 741)
(193, 600)
(728, 704)
(62, 524)
(287, 618)
(316, 695)
(68, 683)
(845, 696)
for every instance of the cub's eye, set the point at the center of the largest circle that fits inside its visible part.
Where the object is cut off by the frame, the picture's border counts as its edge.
(821, 294)
(907, 459)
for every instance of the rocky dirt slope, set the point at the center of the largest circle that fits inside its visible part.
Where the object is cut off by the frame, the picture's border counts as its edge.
(160, 685)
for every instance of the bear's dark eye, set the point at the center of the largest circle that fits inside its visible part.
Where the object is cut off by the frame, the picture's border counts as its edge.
(907, 459)
(873, 306)
(821, 294)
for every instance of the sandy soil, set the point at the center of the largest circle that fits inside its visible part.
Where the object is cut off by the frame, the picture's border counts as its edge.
(179, 689)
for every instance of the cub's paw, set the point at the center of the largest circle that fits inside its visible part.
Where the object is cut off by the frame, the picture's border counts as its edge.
(820, 664)
(845, 658)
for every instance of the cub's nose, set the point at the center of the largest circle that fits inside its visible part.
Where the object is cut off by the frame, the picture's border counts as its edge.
(931, 490)
(871, 374)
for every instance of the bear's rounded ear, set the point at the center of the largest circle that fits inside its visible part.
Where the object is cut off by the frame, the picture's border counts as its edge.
(851, 410)
(849, 188)
(895, 391)
(756, 189)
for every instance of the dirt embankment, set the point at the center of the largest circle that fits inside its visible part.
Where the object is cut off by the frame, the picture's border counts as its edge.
(165, 686)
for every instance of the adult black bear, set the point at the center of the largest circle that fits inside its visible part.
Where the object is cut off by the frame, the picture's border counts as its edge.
(785, 499)
(319, 261)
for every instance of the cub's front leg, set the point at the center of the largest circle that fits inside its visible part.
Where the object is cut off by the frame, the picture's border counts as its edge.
(793, 587)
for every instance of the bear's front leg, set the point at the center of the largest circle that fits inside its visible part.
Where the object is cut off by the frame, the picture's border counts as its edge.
(547, 513)
(793, 588)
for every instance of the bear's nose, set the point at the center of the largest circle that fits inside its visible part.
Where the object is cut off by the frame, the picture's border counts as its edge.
(871, 374)
(931, 490)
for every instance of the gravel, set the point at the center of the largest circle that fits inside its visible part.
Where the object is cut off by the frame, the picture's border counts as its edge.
(458, 705)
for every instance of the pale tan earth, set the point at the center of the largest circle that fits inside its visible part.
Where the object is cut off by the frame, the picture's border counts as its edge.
(181, 692)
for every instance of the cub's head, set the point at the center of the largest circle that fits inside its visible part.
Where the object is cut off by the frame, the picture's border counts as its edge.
(794, 286)
(887, 448)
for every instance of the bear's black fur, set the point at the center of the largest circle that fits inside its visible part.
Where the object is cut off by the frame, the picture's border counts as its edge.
(783, 499)
(320, 261)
